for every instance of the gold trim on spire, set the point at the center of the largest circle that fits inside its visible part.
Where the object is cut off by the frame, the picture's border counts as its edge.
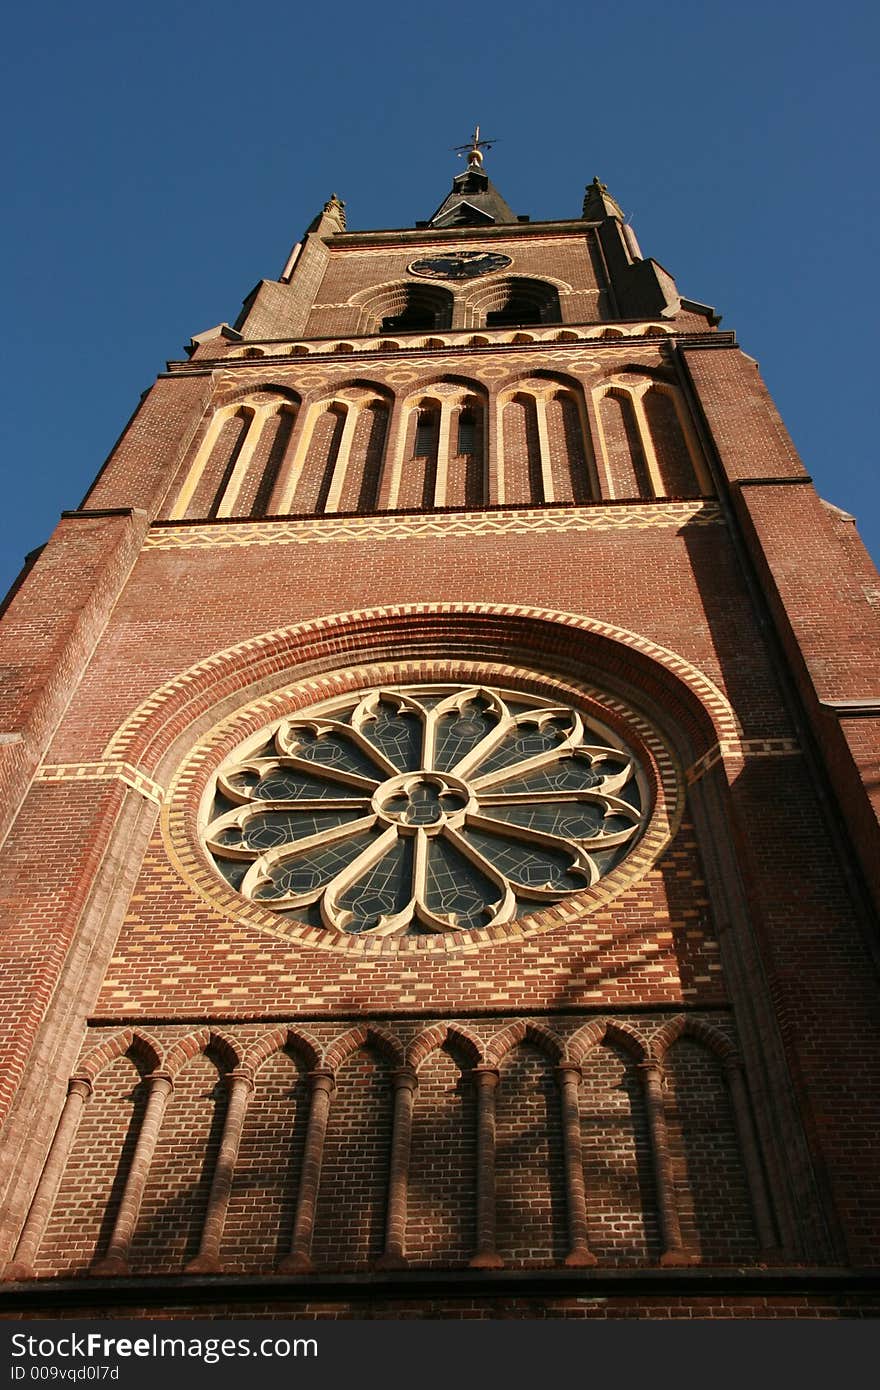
(474, 150)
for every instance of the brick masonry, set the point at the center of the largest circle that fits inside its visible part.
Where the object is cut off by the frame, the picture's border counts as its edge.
(672, 1072)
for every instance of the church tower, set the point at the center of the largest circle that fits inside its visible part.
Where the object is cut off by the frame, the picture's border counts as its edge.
(439, 852)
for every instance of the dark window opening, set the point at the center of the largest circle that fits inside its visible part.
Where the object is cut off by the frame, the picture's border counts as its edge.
(414, 319)
(426, 431)
(416, 308)
(517, 312)
(467, 432)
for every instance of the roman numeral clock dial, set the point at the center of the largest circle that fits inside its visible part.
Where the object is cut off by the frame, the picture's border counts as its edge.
(459, 265)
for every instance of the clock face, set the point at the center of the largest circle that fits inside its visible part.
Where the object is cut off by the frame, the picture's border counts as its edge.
(459, 265)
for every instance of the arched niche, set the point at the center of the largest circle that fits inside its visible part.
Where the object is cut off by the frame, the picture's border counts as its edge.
(404, 307)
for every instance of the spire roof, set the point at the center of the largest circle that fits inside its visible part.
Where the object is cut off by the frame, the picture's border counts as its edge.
(474, 200)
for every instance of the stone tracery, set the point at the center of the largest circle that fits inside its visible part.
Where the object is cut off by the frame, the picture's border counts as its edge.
(424, 809)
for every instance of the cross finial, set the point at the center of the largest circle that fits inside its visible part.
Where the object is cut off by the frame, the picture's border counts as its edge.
(474, 150)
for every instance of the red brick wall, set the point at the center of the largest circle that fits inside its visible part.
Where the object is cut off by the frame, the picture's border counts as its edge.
(568, 463)
(441, 1229)
(259, 1222)
(713, 929)
(89, 1196)
(361, 488)
(627, 470)
(673, 460)
(529, 1175)
(350, 1223)
(522, 459)
(618, 1173)
(176, 1195)
(712, 1197)
(317, 472)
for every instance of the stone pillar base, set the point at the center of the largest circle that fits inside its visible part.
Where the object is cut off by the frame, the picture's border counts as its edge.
(113, 1266)
(487, 1259)
(298, 1262)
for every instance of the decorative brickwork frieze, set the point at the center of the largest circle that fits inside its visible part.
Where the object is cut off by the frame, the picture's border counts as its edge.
(97, 772)
(531, 1073)
(404, 528)
(743, 748)
(445, 1035)
(135, 1041)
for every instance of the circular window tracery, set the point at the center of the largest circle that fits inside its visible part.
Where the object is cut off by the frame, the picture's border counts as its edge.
(423, 809)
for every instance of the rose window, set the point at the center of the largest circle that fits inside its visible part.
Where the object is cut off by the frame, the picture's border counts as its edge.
(424, 809)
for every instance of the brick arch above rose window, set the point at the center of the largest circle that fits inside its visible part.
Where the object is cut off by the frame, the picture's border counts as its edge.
(154, 732)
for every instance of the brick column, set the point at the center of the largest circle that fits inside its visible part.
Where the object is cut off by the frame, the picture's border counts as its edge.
(284, 492)
(495, 449)
(647, 442)
(256, 425)
(748, 1144)
(79, 1089)
(544, 450)
(340, 467)
(579, 1256)
(299, 1261)
(405, 1084)
(207, 1261)
(487, 1256)
(670, 1229)
(444, 433)
(115, 1261)
(392, 460)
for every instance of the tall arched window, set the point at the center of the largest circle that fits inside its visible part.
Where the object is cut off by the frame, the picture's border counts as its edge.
(419, 472)
(467, 431)
(426, 432)
(521, 451)
(240, 458)
(443, 459)
(518, 309)
(466, 469)
(407, 308)
(515, 301)
(674, 464)
(545, 454)
(316, 477)
(626, 467)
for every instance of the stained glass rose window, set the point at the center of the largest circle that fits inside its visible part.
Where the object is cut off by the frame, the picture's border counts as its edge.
(417, 809)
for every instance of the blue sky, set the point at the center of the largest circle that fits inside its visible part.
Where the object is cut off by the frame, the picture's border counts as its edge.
(160, 160)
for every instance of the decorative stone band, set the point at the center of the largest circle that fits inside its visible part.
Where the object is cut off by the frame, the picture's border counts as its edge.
(743, 748)
(398, 528)
(868, 707)
(106, 771)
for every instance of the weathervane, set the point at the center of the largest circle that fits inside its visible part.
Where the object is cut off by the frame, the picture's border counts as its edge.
(474, 150)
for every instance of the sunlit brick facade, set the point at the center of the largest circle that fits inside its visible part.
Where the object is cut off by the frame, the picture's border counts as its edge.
(585, 1022)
